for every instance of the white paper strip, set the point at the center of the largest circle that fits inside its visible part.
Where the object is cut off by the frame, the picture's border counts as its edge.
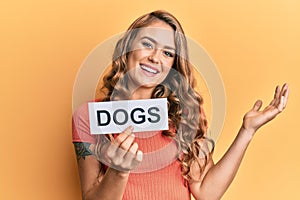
(116, 116)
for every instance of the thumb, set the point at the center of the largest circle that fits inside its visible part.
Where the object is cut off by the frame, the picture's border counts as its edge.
(257, 105)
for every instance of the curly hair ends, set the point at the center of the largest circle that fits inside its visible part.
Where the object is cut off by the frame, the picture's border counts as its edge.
(185, 114)
(184, 102)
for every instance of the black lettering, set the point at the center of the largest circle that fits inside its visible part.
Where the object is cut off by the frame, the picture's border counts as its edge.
(115, 117)
(99, 117)
(153, 114)
(142, 117)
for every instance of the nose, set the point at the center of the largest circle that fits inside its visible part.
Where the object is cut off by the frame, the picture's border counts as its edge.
(154, 56)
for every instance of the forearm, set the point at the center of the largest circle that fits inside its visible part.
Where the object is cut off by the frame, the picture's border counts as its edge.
(220, 176)
(111, 186)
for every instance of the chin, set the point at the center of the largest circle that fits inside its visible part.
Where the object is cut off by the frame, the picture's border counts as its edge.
(148, 85)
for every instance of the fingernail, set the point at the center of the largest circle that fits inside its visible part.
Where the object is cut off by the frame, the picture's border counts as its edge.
(139, 155)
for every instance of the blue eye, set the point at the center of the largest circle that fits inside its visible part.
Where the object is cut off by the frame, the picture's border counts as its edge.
(147, 45)
(169, 54)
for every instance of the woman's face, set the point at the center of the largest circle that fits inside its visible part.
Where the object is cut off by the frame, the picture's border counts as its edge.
(152, 55)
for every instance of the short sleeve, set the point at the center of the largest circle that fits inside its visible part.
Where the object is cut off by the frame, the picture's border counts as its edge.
(81, 125)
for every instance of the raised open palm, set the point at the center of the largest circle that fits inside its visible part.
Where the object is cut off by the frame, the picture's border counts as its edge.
(255, 118)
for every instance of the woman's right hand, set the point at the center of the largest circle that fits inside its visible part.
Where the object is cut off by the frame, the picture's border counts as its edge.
(123, 152)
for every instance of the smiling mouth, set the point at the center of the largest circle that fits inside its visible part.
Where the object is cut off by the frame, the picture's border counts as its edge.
(148, 69)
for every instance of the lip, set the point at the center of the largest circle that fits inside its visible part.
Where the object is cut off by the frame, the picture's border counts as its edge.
(147, 73)
(151, 67)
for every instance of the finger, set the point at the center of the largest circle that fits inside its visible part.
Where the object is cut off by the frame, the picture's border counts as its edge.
(137, 159)
(113, 147)
(257, 105)
(122, 150)
(122, 136)
(280, 106)
(276, 99)
(285, 97)
(283, 89)
(133, 150)
(125, 146)
(286, 93)
(277, 91)
(279, 101)
(130, 155)
(139, 156)
(127, 142)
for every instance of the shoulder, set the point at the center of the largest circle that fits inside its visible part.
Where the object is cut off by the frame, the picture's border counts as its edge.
(81, 114)
(81, 125)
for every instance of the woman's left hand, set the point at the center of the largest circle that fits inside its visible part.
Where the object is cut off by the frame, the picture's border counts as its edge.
(255, 118)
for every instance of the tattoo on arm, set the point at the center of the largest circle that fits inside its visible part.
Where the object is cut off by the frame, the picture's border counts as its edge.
(82, 150)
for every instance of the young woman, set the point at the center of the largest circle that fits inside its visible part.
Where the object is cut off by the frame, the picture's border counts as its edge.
(151, 61)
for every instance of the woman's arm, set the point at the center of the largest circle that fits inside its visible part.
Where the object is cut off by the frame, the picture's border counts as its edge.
(111, 184)
(217, 177)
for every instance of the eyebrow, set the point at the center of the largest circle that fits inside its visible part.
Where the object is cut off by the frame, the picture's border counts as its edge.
(154, 41)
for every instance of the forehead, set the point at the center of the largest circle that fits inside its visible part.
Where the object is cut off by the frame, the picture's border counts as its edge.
(160, 31)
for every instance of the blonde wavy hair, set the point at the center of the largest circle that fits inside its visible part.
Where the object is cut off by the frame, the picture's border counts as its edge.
(184, 103)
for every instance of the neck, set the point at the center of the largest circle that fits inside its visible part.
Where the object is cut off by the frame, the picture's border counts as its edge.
(142, 93)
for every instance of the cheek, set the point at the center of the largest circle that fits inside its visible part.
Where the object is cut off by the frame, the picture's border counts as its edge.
(169, 63)
(131, 62)
(166, 70)
(136, 56)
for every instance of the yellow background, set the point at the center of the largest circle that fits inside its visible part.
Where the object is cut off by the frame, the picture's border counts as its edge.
(255, 44)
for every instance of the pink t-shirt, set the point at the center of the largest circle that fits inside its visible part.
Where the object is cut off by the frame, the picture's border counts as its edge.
(159, 174)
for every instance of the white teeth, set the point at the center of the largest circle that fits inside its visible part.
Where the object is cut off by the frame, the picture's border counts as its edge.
(148, 69)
